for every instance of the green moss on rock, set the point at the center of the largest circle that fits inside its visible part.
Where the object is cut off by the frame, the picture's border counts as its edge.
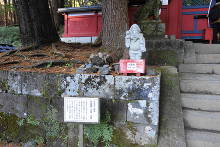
(4, 85)
(120, 139)
(8, 127)
(162, 57)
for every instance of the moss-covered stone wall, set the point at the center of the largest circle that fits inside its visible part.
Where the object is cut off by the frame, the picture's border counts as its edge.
(33, 103)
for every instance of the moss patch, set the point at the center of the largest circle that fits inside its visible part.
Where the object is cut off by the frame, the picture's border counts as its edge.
(162, 57)
(8, 127)
(120, 140)
(4, 86)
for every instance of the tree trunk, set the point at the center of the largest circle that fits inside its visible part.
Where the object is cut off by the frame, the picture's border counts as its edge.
(35, 21)
(58, 18)
(6, 12)
(115, 24)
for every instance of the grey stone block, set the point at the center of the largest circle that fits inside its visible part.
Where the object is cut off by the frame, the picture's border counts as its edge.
(15, 82)
(208, 58)
(37, 106)
(202, 120)
(70, 85)
(33, 83)
(171, 132)
(202, 48)
(14, 104)
(96, 86)
(200, 68)
(119, 112)
(201, 102)
(202, 139)
(141, 134)
(137, 112)
(203, 77)
(143, 112)
(116, 108)
(198, 86)
(137, 88)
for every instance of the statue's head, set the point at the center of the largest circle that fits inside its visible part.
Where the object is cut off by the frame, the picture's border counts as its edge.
(135, 29)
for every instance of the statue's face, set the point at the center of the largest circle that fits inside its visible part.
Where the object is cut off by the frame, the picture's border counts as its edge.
(134, 36)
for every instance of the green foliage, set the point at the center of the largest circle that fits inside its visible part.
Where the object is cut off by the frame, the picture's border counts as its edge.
(50, 127)
(100, 133)
(149, 11)
(10, 35)
(81, 3)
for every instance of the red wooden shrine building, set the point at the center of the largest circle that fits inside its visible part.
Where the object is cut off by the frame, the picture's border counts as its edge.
(186, 19)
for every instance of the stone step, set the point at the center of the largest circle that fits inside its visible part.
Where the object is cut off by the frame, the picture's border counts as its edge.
(203, 77)
(202, 139)
(200, 68)
(202, 120)
(207, 58)
(207, 48)
(198, 86)
(201, 102)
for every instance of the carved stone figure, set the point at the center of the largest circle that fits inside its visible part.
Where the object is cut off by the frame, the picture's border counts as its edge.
(135, 42)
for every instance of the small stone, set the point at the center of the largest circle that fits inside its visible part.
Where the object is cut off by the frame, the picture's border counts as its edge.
(101, 55)
(88, 65)
(105, 70)
(91, 70)
(80, 70)
(116, 67)
(29, 144)
(109, 59)
(96, 60)
(91, 56)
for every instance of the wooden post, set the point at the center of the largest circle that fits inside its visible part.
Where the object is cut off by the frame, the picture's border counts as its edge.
(80, 135)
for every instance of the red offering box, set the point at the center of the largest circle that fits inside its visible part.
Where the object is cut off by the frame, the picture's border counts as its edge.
(132, 66)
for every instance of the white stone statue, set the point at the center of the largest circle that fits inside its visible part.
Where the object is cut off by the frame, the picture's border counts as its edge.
(135, 42)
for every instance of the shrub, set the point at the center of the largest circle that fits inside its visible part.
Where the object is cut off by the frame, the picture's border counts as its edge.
(10, 35)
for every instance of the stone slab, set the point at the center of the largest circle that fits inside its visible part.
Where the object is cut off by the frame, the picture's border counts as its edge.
(202, 139)
(203, 77)
(143, 112)
(70, 85)
(13, 104)
(137, 88)
(201, 101)
(202, 120)
(200, 68)
(207, 48)
(198, 86)
(96, 86)
(171, 132)
(141, 134)
(208, 58)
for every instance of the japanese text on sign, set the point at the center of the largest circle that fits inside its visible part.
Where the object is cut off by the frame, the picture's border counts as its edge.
(81, 110)
(131, 66)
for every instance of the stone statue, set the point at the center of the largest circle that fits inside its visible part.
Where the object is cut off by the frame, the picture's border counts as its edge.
(135, 42)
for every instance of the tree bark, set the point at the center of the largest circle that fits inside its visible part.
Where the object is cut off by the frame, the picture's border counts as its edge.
(115, 24)
(6, 12)
(35, 22)
(58, 18)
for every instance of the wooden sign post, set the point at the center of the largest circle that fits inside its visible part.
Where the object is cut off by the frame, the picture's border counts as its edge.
(132, 66)
(81, 110)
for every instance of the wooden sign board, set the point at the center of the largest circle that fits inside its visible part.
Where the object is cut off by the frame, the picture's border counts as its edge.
(82, 110)
(132, 66)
